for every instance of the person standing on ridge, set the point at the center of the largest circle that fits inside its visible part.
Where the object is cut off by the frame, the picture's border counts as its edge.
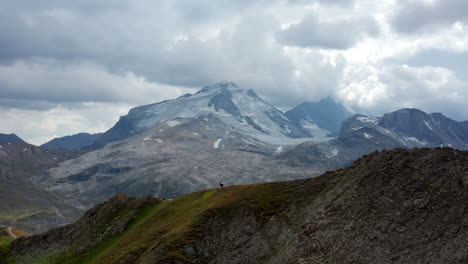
(221, 184)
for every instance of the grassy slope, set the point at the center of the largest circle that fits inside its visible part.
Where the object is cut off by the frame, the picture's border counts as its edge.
(173, 223)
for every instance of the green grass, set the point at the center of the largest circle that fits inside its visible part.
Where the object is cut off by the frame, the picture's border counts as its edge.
(171, 224)
(4, 251)
(174, 223)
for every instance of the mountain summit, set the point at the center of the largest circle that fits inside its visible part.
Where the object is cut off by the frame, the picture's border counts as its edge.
(243, 110)
(326, 114)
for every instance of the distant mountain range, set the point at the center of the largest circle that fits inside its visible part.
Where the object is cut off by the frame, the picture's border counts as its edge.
(221, 133)
(73, 142)
(360, 135)
(326, 115)
(226, 133)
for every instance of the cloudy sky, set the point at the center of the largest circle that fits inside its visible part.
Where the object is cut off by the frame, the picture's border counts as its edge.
(68, 66)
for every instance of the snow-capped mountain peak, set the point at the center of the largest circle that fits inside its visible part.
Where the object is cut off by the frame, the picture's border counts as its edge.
(241, 109)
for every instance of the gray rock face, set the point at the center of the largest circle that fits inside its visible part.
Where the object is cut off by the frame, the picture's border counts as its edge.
(241, 109)
(435, 129)
(172, 158)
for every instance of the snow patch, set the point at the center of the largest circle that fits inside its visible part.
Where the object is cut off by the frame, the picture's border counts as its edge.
(368, 136)
(24, 150)
(147, 139)
(415, 140)
(159, 140)
(367, 120)
(173, 123)
(195, 134)
(279, 150)
(333, 153)
(356, 128)
(315, 130)
(428, 126)
(216, 144)
(249, 142)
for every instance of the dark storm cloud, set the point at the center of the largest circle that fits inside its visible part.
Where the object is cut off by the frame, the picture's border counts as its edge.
(160, 41)
(415, 16)
(342, 34)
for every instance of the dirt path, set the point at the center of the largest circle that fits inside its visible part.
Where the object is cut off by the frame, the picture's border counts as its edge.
(9, 229)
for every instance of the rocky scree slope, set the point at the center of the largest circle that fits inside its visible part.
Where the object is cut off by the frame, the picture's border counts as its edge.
(398, 206)
(172, 158)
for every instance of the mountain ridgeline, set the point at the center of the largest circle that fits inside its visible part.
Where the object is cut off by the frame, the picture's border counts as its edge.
(241, 109)
(397, 206)
(326, 114)
(360, 135)
(73, 142)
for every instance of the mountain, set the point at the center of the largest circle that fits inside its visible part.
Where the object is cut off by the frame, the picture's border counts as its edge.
(360, 135)
(429, 129)
(10, 138)
(31, 208)
(24, 204)
(23, 159)
(321, 118)
(73, 142)
(173, 157)
(240, 109)
(398, 206)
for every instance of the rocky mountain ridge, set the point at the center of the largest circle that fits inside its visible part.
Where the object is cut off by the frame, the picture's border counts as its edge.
(361, 134)
(73, 142)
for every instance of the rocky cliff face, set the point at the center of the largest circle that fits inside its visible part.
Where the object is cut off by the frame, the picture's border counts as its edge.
(172, 158)
(399, 206)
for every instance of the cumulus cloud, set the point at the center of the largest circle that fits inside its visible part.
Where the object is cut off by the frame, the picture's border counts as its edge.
(386, 88)
(416, 15)
(38, 127)
(45, 84)
(336, 34)
(68, 59)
